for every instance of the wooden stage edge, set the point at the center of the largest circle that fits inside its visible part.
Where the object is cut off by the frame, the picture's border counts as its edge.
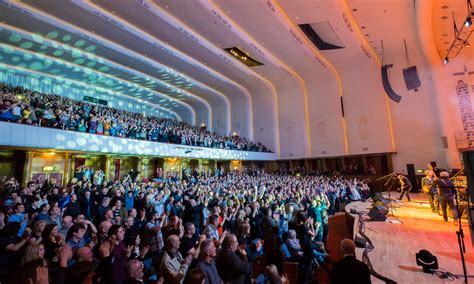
(412, 227)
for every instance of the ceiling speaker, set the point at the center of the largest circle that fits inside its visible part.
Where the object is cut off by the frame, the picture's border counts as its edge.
(412, 80)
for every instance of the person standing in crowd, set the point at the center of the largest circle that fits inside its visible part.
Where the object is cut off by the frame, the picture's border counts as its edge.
(173, 266)
(134, 272)
(231, 262)
(349, 269)
(207, 263)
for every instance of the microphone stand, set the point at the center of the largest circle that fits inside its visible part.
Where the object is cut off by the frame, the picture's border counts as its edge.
(390, 206)
(460, 235)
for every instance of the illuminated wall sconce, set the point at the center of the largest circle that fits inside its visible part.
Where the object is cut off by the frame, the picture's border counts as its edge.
(48, 169)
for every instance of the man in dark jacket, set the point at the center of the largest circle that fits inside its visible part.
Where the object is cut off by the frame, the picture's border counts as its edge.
(446, 193)
(349, 269)
(73, 208)
(87, 204)
(193, 214)
(232, 267)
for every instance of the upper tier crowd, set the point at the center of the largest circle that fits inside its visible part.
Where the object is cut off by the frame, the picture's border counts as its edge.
(28, 107)
(206, 227)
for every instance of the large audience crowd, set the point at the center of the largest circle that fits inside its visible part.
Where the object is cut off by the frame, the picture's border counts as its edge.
(205, 227)
(33, 108)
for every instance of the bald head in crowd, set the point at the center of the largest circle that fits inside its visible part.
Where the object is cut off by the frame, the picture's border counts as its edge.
(104, 227)
(134, 270)
(348, 247)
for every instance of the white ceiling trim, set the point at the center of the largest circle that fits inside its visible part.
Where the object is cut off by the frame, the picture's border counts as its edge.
(70, 49)
(89, 70)
(50, 19)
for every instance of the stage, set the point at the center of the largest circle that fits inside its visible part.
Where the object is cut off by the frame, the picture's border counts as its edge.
(411, 228)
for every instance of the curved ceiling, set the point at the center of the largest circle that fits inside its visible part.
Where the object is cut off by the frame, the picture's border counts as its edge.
(302, 102)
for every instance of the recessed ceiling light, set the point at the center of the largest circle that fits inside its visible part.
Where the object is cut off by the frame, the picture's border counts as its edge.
(228, 12)
(297, 17)
(444, 7)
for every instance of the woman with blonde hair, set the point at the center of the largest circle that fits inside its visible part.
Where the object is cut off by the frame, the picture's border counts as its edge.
(32, 252)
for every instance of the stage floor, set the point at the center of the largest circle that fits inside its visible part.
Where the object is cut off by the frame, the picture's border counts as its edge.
(397, 243)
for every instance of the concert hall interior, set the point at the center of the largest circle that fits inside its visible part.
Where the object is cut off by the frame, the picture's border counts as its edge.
(236, 141)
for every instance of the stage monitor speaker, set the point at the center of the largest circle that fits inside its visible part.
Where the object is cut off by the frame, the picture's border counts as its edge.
(380, 200)
(360, 242)
(468, 159)
(412, 81)
(378, 213)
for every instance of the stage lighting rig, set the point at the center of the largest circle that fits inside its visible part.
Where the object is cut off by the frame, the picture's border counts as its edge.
(461, 36)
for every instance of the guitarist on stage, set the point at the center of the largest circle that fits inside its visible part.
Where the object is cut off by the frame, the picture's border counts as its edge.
(428, 188)
(446, 195)
(405, 186)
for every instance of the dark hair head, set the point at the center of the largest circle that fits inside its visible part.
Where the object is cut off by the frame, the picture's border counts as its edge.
(77, 273)
(213, 218)
(113, 230)
(47, 230)
(74, 229)
(194, 276)
(28, 271)
(300, 217)
(10, 229)
(131, 238)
